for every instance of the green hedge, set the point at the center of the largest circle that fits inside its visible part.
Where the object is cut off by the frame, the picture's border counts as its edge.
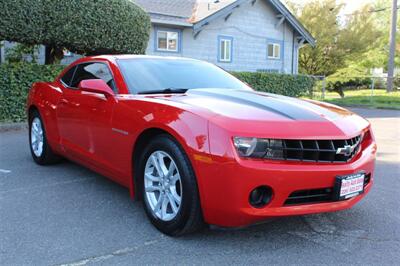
(285, 84)
(15, 81)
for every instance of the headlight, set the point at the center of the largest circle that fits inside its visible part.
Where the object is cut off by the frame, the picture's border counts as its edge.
(259, 148)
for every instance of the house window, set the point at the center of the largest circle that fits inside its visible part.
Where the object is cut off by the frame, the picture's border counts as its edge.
(274, 51)
(225, 49)
(167, 41)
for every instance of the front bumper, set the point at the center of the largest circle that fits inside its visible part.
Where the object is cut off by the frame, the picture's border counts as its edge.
(225, 185)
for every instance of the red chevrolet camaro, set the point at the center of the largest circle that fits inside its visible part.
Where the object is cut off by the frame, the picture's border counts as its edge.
(199, 146)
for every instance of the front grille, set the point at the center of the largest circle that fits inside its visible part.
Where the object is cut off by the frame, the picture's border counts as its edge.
(314, 150)
(309, 196)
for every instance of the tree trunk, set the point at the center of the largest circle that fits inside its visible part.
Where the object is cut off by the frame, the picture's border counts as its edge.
(54, 55)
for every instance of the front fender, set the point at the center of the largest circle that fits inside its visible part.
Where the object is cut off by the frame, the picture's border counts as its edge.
(188, 128)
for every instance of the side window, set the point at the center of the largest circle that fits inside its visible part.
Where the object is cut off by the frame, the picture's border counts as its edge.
(67, 78)
(93, 71)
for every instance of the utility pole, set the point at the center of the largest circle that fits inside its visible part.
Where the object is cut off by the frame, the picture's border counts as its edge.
(392, 47)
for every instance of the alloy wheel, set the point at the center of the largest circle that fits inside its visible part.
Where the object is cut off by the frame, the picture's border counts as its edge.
(37, 137)
(163, 186)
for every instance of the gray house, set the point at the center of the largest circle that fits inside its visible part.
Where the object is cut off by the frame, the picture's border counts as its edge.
(237, 35)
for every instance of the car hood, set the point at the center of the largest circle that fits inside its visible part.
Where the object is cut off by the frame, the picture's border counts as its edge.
(248, 112)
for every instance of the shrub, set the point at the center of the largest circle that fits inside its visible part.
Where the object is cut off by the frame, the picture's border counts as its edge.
(81, 26)
(285, 84)
(98, 27)
(15, 81)
(380, 83)
(340, 85)
(352, 77)
(396, 82)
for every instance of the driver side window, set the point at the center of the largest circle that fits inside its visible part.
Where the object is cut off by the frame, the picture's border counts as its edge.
(93, 70)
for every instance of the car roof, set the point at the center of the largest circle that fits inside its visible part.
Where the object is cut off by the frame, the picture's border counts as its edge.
(132, 56)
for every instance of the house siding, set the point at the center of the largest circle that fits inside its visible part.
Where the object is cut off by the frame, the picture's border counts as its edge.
(251, 26)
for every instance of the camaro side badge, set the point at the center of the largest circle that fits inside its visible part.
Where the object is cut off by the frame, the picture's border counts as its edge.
(346, 150)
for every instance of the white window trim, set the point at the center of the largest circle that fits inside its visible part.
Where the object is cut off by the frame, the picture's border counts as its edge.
(225, 59)
(167, 49)
(273, 51)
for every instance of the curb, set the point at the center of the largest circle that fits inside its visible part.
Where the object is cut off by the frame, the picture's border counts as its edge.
(4, 127)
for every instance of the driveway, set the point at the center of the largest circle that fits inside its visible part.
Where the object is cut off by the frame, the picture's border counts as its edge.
(66, 214)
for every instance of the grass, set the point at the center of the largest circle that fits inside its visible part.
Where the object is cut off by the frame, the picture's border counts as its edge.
(365, 98)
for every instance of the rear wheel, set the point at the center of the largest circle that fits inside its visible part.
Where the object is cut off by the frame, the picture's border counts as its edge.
(169, 188)
(40, 150)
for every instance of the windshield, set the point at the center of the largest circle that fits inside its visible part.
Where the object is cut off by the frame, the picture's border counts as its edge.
(153, 74)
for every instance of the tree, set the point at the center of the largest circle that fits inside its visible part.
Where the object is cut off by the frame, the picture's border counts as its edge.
(82, 26)
(22, 21)
(339, 39)
(378, 55)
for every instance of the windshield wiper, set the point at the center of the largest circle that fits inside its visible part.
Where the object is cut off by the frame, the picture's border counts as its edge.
(167, 90)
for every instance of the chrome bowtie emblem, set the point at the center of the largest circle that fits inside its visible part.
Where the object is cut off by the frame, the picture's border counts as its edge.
(347, 150)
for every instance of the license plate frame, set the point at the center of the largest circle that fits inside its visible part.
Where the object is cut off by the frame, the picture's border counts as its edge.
(349, 186)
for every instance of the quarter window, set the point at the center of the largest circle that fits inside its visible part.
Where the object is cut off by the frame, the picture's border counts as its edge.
(274, 51)
(167, 41)
(66, 79)
(225, 49)
(93, 71)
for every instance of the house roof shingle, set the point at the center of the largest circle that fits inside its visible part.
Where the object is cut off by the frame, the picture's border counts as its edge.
(189, 11)
(176, 8)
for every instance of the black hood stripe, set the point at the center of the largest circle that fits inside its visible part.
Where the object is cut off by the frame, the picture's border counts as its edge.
(241, 101)
(289, 109)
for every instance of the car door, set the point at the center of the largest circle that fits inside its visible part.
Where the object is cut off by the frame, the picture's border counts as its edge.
(99, 118)
(83, 116)
(71, 116)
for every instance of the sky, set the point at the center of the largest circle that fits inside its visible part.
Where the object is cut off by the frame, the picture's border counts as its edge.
(353, 5)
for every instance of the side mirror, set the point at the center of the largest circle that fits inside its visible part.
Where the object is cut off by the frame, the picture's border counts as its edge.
(96, 86)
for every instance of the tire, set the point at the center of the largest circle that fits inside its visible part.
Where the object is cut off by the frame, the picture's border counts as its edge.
(155, 190)
(40, 149)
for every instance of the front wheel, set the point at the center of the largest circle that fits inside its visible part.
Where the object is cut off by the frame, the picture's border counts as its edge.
(40, 149)
(169, 188)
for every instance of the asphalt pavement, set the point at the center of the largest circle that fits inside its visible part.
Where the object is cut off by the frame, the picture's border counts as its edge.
(67, 215)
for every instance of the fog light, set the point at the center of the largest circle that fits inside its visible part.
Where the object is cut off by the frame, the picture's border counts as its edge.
(260, 196)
